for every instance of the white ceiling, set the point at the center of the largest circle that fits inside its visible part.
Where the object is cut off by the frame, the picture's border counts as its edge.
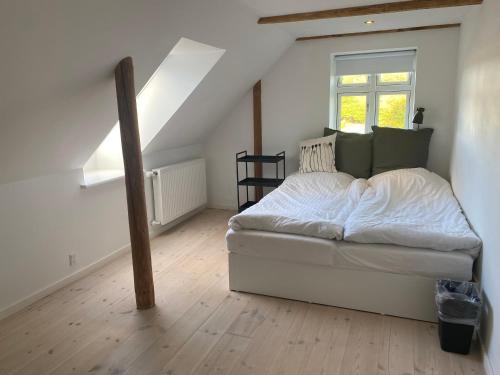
(57, 97)
(351, 24)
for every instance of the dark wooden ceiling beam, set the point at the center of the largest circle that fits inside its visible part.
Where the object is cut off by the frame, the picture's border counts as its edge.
(401, 6)
(431, 27)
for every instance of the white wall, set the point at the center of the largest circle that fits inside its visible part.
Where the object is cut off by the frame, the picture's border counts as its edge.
(235, 134)
(44, 219)
(58, 102)
(296, 94)
(475, 168)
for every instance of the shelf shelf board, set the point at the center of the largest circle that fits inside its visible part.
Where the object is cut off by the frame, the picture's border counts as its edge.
(261, 158)
(246, 205)
(265, 182)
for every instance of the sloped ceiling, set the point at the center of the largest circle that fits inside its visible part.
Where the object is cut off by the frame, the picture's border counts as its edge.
(57, 94)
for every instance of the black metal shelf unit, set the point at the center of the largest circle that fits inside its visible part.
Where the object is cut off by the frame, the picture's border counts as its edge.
(243, 157)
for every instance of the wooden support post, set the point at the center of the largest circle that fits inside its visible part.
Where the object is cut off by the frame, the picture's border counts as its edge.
(257, 135)
(134, 182)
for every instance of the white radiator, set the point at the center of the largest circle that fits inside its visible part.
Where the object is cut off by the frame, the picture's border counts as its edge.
(179, 189)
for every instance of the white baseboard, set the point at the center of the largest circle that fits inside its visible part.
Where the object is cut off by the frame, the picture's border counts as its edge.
(488, 367)
(156, 230)
(228, 207)
(25, 302)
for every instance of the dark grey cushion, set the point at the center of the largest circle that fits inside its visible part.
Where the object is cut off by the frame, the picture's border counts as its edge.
(353, 153)
(399, 148)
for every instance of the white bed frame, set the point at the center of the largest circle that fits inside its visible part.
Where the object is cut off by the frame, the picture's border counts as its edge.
(405, 296)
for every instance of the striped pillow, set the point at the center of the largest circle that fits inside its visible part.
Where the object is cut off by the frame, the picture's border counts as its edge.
(318, 155)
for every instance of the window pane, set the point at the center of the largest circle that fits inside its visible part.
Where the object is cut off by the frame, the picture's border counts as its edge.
(388, 78)
(361, 79)
(353, 113)
(392, 110)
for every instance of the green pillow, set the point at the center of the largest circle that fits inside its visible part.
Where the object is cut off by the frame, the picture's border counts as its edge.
(399, 148)
(353, 153)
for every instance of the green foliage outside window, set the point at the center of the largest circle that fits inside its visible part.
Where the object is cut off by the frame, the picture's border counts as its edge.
(392, 110)
(391, 107)
(394, 77)
(353, 113)
(354, 79)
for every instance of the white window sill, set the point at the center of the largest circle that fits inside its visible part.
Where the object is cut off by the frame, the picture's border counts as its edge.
(99, 177)
(104, 176)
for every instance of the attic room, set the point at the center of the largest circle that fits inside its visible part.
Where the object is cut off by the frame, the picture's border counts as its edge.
(249, 187)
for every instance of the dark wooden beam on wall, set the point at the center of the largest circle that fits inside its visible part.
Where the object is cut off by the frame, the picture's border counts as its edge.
(134, 182)
(431, 27)
(401, 6)
(257, 134)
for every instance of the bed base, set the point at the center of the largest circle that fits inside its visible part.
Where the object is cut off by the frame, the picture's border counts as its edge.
(404, 296)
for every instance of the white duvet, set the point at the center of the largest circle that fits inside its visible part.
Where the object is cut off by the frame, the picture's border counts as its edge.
(410, 207)
(311, 204)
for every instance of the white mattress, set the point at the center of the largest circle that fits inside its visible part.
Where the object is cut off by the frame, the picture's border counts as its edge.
(347, 255)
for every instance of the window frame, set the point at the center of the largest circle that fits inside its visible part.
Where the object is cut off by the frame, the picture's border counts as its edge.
(371, 90)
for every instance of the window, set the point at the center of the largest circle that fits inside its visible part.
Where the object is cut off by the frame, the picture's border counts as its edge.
(171, 84)
(372, 89)
(393, 78)
(354, 80)
(352, 112)
(392, 109)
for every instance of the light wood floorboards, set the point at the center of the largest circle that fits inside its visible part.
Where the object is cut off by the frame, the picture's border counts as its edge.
(200, 327)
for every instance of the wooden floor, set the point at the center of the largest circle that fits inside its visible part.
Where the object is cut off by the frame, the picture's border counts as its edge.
(199, 327)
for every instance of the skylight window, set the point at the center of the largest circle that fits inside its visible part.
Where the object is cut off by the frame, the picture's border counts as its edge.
(176, 78)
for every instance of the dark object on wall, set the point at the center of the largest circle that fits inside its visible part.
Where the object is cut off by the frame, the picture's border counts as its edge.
(400, 148)
(353, 153)
(418, 119)
(243, 157)
(134, 183)
(459, 309)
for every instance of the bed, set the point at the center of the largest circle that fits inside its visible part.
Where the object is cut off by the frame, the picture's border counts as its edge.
(366, 254)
